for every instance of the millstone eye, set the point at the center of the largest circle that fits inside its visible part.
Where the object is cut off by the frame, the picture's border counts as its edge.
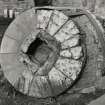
(38, 50)
(46, 56)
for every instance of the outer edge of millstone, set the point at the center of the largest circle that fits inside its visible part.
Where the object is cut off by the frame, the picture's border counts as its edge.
(66, 53)
(9, 45)
(24, 21)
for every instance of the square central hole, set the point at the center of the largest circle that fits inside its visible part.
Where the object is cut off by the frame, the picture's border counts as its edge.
(38, 50)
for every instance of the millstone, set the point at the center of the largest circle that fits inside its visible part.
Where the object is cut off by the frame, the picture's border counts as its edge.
(43, 52)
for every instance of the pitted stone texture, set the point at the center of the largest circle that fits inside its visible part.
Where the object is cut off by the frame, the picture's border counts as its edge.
(43, 18)
(9, 45)
(69, 68)
(59, 82)
(56, 21)
(71, 42)
(68, 30)
(76, 52)
(66, 53)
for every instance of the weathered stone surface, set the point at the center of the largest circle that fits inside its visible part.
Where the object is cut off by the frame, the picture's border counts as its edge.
(71, 42)
(65, 53)
(15, 33)
(76, 52)
(40, 87)
(70, 68)
(28, 40)
(13, 68)
(9, 45)
(39, 50)
(56, 21)
(89, 76)
(59, 82)
(67, 31)
(24, 23)
(43, 18)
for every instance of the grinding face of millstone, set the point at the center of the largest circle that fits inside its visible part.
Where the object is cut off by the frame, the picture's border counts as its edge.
(47, 58)
(56, 21)
(70, 42)
(70, 68)
(43, 17)
(59, 82)
(68, 30)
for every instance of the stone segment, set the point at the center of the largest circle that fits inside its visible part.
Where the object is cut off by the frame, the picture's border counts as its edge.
(40, 87)
(11, 66)
(89, 76)
(56, 21)
(70, 42)
(14, 32)
(24, 82)
(59, 81)
(28, 40)
(70, 68)
(76, 52)
(67, 31)
(65, 53)
(9, 45)
(98, 101)
(43, 17)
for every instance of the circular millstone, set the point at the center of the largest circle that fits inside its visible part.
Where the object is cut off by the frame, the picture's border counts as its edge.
(42, 53)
